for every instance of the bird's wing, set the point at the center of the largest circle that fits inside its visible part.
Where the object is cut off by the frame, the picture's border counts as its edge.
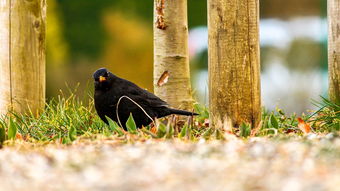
(147, 98)
(143, 96)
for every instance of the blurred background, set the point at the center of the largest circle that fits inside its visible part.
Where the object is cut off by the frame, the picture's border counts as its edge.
(83, 35)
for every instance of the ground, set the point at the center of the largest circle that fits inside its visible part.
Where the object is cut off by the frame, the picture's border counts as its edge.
(67, 147)
(287, 163)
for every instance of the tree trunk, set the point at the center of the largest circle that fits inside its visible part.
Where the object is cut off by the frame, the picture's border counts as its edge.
(171, 53)
(234, 64)
(334, 49)
(22, 55)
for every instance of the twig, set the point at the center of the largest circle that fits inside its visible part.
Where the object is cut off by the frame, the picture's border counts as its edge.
(135, 104)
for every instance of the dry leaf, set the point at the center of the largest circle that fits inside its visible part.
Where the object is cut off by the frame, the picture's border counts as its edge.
(19, 136)
(163, 79)
(206, 122)
(303, 126)
(153, 129)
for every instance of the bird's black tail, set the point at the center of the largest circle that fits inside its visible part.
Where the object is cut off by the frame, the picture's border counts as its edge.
(181, 112)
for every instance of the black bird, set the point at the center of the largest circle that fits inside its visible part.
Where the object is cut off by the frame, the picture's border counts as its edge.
(116, 94)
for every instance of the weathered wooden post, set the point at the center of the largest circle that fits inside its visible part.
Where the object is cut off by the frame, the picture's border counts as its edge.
(22, 55)
(171, 54)
(234, 64)
(334, 49)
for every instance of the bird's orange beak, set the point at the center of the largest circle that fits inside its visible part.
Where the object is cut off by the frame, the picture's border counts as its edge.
(102, 79)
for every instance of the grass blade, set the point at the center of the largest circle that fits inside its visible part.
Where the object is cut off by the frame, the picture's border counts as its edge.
(161, 130)
(245, 130)
(115, 127)
(12, 129)
(2, 133)
(131, 125)
(183, 131)
(72, 133)
(272, 122)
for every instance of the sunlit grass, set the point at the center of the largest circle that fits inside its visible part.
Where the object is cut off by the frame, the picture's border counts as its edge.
(63, 119)
(67, 118)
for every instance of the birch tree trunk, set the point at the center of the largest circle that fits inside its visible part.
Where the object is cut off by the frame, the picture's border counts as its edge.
(171, 53)
(234, 64)
(334, 49)
(22, 55)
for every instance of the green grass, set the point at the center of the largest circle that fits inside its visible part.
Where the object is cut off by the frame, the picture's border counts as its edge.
(327, 118)
(67, 118)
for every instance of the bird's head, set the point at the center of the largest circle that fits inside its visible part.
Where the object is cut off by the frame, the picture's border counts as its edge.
(101, 79)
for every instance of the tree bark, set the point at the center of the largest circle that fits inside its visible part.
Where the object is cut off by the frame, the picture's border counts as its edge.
(171, 53)
(334, 49)
(234, 64)
(22, 55)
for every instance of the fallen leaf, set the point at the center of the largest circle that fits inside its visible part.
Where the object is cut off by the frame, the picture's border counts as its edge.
(290, 130)
(153, 129)
(303, 126)
(163, 79)
(206, 122)
(18, 136)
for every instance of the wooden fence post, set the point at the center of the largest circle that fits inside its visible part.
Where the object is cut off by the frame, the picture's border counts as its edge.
(234, 64)
(171, 54)
(334, 49)
(22, 55)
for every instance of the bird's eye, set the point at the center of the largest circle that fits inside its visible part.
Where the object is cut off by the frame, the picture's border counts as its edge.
(96, 79)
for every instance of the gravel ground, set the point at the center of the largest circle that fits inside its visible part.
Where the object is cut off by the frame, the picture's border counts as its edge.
(256, 164)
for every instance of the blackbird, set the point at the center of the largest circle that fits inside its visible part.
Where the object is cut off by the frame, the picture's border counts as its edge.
(114, 94)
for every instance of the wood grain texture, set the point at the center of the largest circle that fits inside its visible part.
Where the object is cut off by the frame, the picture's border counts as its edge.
(5, 86)
(171, 53)
(234, 64)
(334, 49)
(22, 84)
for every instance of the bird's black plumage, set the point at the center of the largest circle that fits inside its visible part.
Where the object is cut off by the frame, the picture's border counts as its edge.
(109, 89)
